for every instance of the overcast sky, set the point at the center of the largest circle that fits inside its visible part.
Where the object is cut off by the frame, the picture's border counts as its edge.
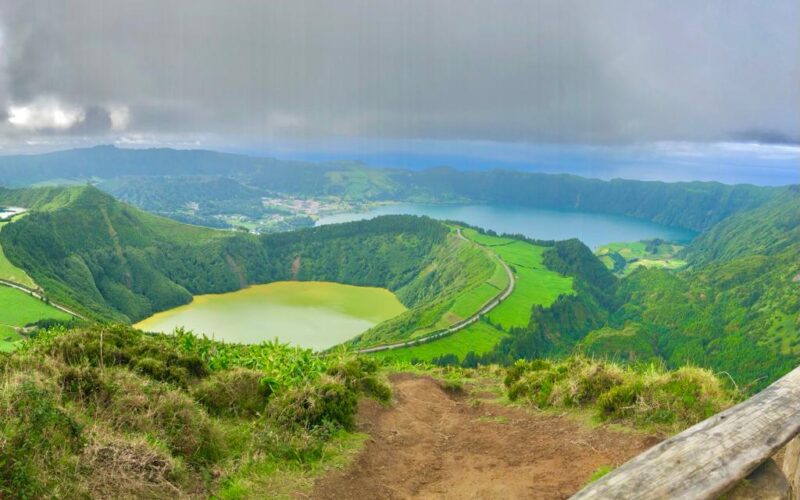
(272, 72)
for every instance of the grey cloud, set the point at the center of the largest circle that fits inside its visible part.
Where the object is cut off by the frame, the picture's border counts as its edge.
(534, 71)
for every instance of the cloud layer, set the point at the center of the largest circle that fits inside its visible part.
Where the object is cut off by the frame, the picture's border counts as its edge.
(530, 71)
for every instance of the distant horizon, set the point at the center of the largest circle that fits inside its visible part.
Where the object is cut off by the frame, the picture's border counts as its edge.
(763, 164)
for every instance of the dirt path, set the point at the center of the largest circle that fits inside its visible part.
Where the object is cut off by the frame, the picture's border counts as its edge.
(434, 445)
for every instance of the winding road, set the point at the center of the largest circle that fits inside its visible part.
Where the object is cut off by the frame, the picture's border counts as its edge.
(461, 324)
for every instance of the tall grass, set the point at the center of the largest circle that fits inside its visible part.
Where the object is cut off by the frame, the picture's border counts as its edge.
(106, 411)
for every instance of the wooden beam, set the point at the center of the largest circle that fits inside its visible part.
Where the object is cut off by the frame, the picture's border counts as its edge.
(709, 458)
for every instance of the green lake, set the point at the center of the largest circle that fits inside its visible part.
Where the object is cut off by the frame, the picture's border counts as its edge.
(310, 314)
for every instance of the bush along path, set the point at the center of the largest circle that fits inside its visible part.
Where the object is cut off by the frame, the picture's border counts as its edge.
(109, 412)
(485, 309)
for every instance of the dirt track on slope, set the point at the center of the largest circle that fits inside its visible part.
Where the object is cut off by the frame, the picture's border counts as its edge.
(431, 444)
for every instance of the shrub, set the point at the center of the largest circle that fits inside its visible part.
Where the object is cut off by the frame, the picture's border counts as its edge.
(235, 393)
(586, 382)
(159, 370)
(165, 413)
(685, 396)
(128, 467)
(112, 346)
(360, 374)
(312, 405)
(84, 383)
(515, 371)
(38, 440)
(186, 429)
(649, 396)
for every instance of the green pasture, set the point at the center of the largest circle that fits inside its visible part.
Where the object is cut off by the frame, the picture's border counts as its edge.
(479, 338)
(535, 284)
(18, 309)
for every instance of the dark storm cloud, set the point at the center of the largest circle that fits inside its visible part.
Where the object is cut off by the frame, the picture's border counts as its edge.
(582, 71)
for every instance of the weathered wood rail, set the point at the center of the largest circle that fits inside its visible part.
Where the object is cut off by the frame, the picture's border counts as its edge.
(712, 457)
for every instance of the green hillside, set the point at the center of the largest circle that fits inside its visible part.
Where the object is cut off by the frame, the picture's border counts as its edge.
(735, 308)
(535, 283)
(9, 271)
(112, 261)
(18, 310)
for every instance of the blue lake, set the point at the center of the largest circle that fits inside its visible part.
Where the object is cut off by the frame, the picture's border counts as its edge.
(592, 228)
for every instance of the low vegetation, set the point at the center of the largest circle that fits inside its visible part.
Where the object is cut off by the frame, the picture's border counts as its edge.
(646, 396)
(109, 411)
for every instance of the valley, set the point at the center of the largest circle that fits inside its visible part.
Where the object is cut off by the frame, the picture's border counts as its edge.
(393, 250)
(261, 346)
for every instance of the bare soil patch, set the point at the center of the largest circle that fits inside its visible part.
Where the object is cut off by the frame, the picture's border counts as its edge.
(434, 444)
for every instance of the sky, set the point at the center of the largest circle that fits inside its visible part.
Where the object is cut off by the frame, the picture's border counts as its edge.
(388, 79)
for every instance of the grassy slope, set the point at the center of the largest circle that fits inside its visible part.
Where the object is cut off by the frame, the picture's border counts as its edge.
(9, 271)
(535, 284)
(456, 269)
(479, 338)
(18, 309)
(735, 308)
(107, 259)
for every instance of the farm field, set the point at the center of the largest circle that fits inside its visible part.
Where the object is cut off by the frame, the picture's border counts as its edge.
(479, 338)
(479, 293)
(624, 258)
(18, 309)
(536, 285)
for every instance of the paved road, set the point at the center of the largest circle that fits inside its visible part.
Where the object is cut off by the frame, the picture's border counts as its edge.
(34, 293)
(461, 324)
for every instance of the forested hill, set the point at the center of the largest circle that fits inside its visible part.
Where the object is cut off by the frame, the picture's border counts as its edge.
(691, 205)
(768, 230)
(110, 260)
(735, 309)
(164, 180)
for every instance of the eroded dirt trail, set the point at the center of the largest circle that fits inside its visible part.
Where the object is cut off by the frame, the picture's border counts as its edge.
(434, 445)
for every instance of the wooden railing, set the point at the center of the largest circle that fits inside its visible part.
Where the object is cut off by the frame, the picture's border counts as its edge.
(712, 457)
